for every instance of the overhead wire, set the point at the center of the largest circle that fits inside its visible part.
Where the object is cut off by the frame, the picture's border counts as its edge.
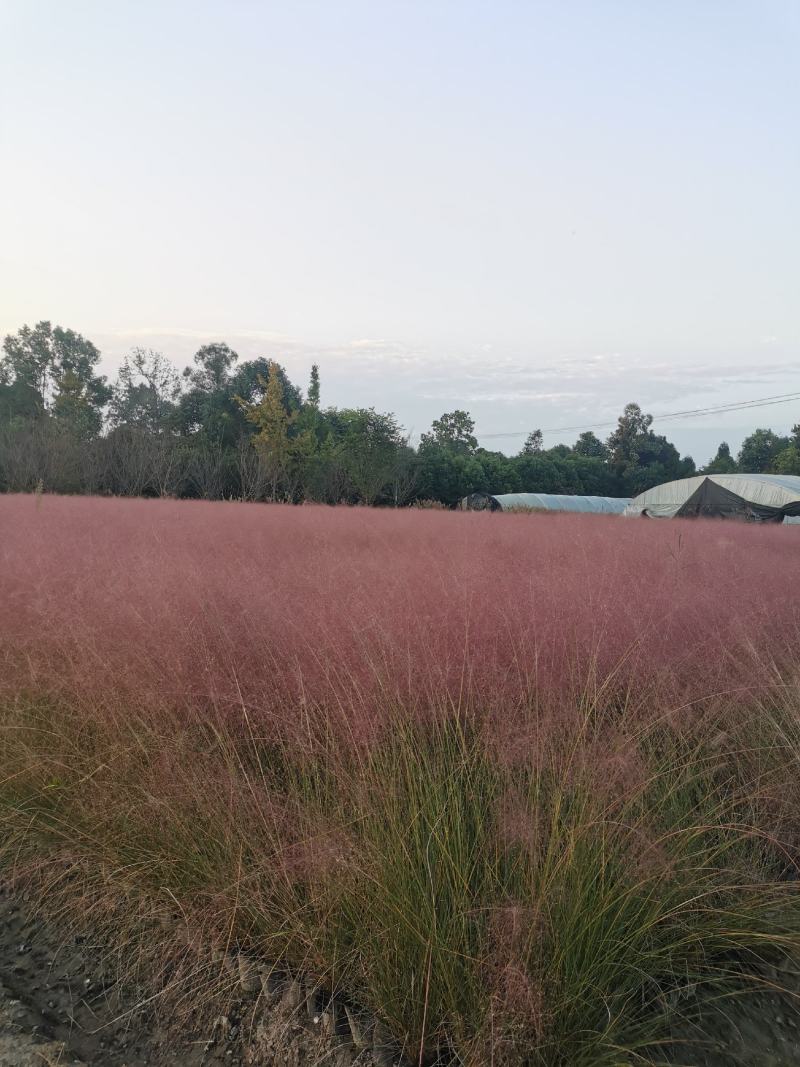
(744, 405)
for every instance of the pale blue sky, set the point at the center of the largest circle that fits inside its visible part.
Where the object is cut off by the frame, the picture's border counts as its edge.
(537, 211)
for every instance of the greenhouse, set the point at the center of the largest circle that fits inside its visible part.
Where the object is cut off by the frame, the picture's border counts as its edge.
(746, 497)
(598, 505)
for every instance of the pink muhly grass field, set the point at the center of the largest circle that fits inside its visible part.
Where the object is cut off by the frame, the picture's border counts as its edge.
(203, 606)
(176, 679)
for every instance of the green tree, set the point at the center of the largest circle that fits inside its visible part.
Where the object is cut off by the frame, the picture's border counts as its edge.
(499, 472)
(313, 388)
(534, 443)
(640, 458)
(29, 358)
(404, 474)
(623, 444)
(595, 477)
(759, 451)
(247, 383)
(325, 477)
(455, 431)
(50, 360)
(212, 365)
(73, 409)
(588, 444)
(448, 466)
(448, 475)
(369, 447)
(19, 402)
(723, 462)
(207, 408)
(539, 473)
(282, 453)
(146, 392)
(788, 461)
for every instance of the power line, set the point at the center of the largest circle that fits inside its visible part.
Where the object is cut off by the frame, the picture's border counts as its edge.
(765, 402)
(744, 405)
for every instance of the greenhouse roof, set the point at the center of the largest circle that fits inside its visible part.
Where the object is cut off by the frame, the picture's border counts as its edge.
(750, 497)
(602, 505)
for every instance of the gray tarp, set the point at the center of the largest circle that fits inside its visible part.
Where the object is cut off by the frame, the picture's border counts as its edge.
(747, 497)
(598, 505)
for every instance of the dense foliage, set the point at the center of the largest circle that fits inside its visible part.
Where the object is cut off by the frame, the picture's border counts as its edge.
(227, 429)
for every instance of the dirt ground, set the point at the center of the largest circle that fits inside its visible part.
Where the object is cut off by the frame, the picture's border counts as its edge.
(58, 1005)
(756, 1029)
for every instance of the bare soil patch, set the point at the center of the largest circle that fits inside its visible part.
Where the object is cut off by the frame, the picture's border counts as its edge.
(60, 1004)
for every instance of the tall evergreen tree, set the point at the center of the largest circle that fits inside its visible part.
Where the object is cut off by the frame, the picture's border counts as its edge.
(313, 387)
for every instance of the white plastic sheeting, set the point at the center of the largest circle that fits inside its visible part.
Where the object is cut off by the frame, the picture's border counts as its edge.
(600, 505)
(748, 497)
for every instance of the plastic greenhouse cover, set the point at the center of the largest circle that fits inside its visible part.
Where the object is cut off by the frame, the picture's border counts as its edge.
(764, 496)
(607, 505)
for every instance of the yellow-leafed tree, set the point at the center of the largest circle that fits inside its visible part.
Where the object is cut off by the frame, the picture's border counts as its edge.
(281, 453)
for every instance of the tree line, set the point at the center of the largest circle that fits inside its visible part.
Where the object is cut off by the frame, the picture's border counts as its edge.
(231, 429)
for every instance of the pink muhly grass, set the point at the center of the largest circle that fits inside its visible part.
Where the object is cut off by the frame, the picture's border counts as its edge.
(610, 766)
(278, 611)
(515, 935)
(324, 855)
(519, 823)
(479, 769)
